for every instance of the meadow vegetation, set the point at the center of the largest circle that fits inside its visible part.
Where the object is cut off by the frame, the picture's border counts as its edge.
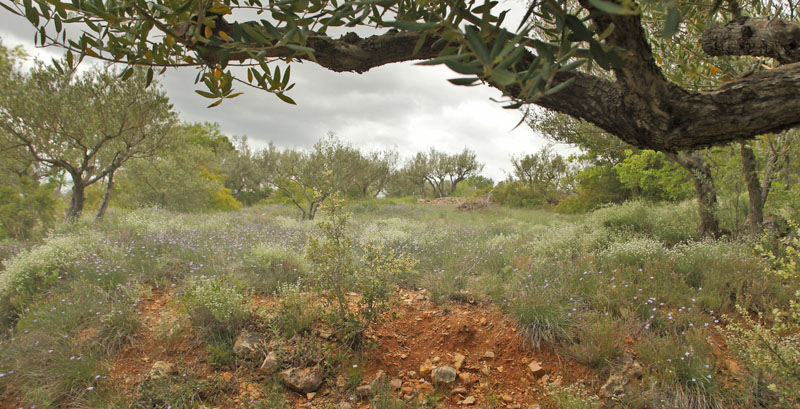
(593, 288)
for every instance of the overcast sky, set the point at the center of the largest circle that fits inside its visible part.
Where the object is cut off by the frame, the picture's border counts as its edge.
(401, 106)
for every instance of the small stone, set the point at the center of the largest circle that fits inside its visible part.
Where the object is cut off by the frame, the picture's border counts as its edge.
(403, 356)
(396, 383)
(507, 398)
(488, 355)
(500, 369)
(469, 400)
(246, 345)
(160, 369)
(483, 321)
(426, 368)
(436, 359)
(407, 390)
(345, 405)
(458, 361)
(443, 375)
(270, 364)
(485, 370)
(303, 380)
(536, 369)
(311, 395)
(364, 391)
(460, 390)
(465, 377)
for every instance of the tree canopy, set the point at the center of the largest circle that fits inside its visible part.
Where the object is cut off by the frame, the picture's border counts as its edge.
(550, 58)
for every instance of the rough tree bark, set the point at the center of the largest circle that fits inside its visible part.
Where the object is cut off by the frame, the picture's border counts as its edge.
(77, 199)
(641, 106)
(101, 211)
(705, 190)
(757, 191)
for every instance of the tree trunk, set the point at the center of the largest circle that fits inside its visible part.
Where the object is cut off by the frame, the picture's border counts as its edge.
(704, 189)
(755, 211)
(101, 211)
(77, 200)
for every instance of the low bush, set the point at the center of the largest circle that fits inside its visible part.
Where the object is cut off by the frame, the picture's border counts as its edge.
(215, 306)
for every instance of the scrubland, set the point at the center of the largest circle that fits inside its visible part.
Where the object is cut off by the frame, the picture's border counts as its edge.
(707, 323)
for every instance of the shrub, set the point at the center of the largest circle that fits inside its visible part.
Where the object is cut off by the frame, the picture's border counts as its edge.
(684, 364)
(771, 352)
(600, 341)
(338, 269)
(634, 252)
(573, 396)
(215, 305)
(274, 265)
(297, 311)
(29, 271)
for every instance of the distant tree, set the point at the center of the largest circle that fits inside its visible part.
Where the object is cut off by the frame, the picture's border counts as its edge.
(377, 168)
(308, 178)
(446, 171)
(86, 125)
(243, 176)
(182, 176)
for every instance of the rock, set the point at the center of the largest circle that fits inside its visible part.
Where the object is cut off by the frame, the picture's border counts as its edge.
(465, 377)
(380, 378)
(270, 364)
(396, 383)
(461, 390)
(246, 345)
(485, 370)
(483, 321)
(536, 369)
(426, 368)
(488, 355)
(507, 398)
(311, 395)
(458, 361)
(627, 369)
(469, 400)
(345, 405)
(364, 392)
(443, 375)
(408, 390)
(161, 369)
(303, 380)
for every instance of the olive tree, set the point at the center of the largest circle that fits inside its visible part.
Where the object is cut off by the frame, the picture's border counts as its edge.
(633, 99)
(86, 125)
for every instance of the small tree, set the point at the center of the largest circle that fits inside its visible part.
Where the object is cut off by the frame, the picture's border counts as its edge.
(342, 266)
(86, 125)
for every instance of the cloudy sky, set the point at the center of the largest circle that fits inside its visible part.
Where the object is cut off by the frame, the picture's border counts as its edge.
(401, 106)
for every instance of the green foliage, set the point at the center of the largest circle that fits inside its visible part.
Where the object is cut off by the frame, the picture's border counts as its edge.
(600, 340)
(220, 354)
(652, 176)
(771, 352)
(30, 271)
(684, 362)
(338, 270)
(183, 177)
(596, 186)
(297, 312)
(174, 391)
(274, 266)
(27, 208)
(215, 305)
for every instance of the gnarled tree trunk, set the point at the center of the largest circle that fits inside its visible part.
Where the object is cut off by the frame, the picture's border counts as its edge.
(77, 200)
(705, 190)
(757, 191)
